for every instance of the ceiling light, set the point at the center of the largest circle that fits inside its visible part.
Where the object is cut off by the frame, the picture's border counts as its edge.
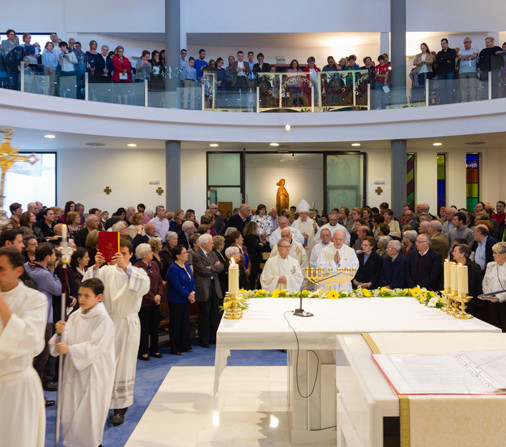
(50, 136)
(437, 144)
(214, 145)
(131, 145)
(288, 128)
(355, 144)
(274, 144)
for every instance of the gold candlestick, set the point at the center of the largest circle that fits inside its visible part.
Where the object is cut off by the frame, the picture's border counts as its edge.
(233, 306)
(330, 279)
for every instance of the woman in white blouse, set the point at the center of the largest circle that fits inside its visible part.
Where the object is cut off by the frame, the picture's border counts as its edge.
(494, 281)
(263, 221)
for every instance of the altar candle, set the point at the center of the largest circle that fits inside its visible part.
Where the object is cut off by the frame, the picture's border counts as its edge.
(233, 278)
(64, 232)
(447, 275)
(454, 278)
(462, 279)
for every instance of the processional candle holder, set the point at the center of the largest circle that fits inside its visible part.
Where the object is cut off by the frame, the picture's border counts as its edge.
(233, 309)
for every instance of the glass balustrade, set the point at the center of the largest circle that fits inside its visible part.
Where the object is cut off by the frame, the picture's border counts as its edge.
(325, 91)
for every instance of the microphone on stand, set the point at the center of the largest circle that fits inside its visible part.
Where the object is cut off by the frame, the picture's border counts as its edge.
(301, 312)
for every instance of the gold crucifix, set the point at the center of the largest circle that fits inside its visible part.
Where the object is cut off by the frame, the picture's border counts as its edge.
(107, 190)
(8, 156)
(159, 191)
(378, 190)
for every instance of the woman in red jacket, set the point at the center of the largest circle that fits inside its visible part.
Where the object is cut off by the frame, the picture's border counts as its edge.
(313, 71)
(122, 67)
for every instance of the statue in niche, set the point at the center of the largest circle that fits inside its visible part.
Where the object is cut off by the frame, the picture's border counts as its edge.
(282, 197)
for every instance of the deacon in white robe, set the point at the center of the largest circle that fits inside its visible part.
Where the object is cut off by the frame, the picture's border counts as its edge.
(125, 286)
(23, 318)
(333, 226)
(282, 271)
(88, 376)
(306, 226)
(276, 235)
(326, 239)
(338, 256)
(296, 250)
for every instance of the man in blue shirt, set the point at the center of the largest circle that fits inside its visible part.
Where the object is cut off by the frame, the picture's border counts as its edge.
(483, 246)
(200, 62)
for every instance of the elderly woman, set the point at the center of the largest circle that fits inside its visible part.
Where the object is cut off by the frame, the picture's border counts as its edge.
(461, 254)
(218, 246)
(234, 252)
(263, 221)
(166, 255)
(394, 266)
(370, 264)
(135, 222)
(382, 246)
(408, 240)
(149, 315)
(181, 293)
(495, 281)
(30, 242)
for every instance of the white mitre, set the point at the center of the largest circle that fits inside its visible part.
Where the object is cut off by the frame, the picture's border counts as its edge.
(303, 206)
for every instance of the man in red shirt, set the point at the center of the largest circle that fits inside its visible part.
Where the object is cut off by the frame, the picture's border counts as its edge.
(382, 85)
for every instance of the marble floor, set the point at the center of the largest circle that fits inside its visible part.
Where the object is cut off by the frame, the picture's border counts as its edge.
(250, 410)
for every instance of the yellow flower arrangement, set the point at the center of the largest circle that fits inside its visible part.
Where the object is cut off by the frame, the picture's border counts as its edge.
(366, 292)
(275, 293)
(332, 295)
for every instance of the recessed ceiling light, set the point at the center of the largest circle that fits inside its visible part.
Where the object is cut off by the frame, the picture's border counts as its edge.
(355, 144)
(274, 144)
(288, 128)
(437, 144)
(50, 136)
(131, 145)
(214, 145)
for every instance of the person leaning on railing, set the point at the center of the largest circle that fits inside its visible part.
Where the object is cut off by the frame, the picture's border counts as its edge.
(382, 84)
(50, 63)
(143, 67)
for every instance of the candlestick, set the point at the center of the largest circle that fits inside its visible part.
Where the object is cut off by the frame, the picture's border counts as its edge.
(447, 276)
(454, 278)
(233, 278)
(64, 232)
(462, 273)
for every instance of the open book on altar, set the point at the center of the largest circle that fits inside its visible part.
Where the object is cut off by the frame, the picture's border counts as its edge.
(470, 372)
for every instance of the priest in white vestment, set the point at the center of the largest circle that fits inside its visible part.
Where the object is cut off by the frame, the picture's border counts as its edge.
(333, 226)
(276, 235)
(296, 250)
(281, 271)
(338, 255)
(125, 286)
(88, 377)
(23, 318)
(306, 226)
(326, 239)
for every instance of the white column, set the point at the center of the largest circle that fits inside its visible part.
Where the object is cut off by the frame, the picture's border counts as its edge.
(426, 179)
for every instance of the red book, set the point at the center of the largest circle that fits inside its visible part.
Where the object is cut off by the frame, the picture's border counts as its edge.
(108, 244)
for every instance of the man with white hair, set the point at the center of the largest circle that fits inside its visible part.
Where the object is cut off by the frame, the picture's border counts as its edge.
(325, 240)
(424, 265)
(438, 241)
(306, 226)
(338, 256)
(394, 266)
(296, 250)
(130, 211)
(92, 222)
(122, 229)
(334, 226)
(282, 224)
(450, 211)
(206, 267)
(187, 230)
(282, 271)
(32, 208)
(161, 223)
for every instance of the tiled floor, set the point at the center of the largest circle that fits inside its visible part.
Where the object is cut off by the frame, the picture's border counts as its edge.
(251, 409)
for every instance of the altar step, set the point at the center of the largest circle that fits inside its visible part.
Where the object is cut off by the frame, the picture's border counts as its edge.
(250, 410)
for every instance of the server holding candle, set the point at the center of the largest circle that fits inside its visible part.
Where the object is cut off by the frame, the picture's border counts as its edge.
(471, 275)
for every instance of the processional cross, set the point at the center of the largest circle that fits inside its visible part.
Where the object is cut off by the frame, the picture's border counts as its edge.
(8, 156)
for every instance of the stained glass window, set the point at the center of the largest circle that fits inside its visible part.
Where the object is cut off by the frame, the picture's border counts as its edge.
(410, 180)
(472, 180)
(441, 180)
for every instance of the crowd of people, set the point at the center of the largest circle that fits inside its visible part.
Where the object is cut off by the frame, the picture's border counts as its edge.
(244, 72)
(168, 257)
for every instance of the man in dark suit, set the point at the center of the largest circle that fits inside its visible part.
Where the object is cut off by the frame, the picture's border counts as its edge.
(240, 219)
(206, 267)
(409, 219)
(482, 246)
(92, 223)
(424, 265)
(394, 266)
(261, 66)
(438, 241)
(240, 72)
(185, 233)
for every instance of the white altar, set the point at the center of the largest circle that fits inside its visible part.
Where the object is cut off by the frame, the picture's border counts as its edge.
(263, 326)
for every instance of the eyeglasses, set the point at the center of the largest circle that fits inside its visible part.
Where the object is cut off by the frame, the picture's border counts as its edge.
(283, 246)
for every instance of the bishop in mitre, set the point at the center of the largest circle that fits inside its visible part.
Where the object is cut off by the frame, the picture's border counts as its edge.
(306, 226)
(125, 286)
(282, 271)
(338, 256)
(296, 250)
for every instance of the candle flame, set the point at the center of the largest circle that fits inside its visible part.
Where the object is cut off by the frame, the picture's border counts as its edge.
(232, 262)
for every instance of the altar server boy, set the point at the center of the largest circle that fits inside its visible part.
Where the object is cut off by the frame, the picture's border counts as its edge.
(87, 340)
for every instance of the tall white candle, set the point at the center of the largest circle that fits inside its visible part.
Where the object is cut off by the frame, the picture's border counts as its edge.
(462, 279)
(447, 275)
(454, 278)
(64, 232)
(233, 278)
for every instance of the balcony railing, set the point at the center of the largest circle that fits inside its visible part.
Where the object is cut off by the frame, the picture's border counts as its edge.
(328, 91)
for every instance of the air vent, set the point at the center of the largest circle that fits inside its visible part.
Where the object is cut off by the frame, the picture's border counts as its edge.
(95, 144)
(475, 143)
